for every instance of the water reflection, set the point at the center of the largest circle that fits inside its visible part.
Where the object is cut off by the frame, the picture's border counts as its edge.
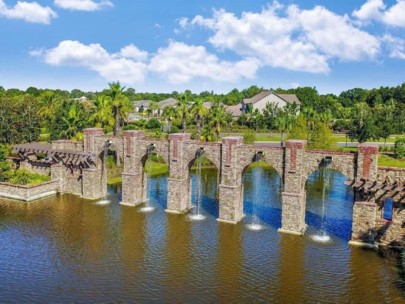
(68, 249)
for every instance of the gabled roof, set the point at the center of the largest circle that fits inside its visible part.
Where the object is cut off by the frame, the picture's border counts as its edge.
(288, 98)
(140, 103)
(168, 102)
(235, 110)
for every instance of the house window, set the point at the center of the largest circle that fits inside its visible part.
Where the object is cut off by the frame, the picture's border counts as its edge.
(388, 207)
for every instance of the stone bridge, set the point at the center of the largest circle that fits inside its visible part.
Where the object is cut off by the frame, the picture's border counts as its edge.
(294, 163)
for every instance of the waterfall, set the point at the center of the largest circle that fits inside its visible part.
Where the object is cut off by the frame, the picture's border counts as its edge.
(257, 180)
(197, 215)
(326, 173)
(148, 168)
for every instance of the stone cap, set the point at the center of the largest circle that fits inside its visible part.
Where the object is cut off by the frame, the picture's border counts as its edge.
(296, 143)
(232, 140)
(93, 131)
(134, 133)
(180, 136)
(368, 148)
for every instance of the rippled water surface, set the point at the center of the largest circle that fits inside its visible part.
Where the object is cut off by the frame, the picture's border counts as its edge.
(65, 249)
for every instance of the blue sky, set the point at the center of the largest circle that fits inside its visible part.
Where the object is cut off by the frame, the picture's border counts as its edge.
(168, 45)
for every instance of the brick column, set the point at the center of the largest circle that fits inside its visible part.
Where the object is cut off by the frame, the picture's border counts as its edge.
(90, 135)
(367, 161)
(294, 195)
(133, 177)
(230, 188)
(178, 182)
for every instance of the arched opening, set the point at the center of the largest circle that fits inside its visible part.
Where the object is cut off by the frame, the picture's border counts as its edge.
(329, 205)
(261, 195)
(155, 171)
(204, 187)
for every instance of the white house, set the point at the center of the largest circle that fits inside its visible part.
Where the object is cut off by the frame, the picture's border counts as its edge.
(260, 100)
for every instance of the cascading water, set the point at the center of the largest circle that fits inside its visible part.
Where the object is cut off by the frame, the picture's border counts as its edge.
(104, 200)
(255, 224)
(147, 206)
(323, 237)
(196, 214)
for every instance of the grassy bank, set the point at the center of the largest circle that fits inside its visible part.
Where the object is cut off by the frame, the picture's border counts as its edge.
(388, 161)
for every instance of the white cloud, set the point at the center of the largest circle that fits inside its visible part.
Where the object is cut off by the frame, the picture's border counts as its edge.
(290, 38)
(370, 10)
(119, 66)
(83, 5)
(395, 15)
(395, 46)
(131, 51)
(180, 63)
(334, 35)
(28, 11)
(377, 10)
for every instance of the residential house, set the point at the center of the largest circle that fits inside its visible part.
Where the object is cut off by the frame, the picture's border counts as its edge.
(260, 100)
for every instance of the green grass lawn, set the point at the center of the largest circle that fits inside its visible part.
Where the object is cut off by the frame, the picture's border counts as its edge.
(388, 161)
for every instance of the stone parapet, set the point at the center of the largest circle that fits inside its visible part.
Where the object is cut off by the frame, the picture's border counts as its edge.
(28, 193)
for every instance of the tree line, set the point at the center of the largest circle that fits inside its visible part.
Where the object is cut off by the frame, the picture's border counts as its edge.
(361, 114)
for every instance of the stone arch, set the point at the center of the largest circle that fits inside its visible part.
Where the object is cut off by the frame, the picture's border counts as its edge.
(271, 157)
(336, 201)
(344, 163)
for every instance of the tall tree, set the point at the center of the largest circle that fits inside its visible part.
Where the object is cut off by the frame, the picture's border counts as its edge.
(102, 117)
(199, 111)
(183, 109)
(217, 118)
(362, 124)
(121, 105)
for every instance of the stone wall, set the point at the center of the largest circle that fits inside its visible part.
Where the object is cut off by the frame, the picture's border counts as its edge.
(28, 193)
(68, 145)
(35, 166)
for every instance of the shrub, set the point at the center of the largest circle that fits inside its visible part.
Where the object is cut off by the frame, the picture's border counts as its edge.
(321, 137)
(153, 123)
(399, 148)
(130, 127)
(249, 137)
(24, 177)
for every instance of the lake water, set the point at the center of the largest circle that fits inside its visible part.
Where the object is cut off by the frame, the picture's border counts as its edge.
(65, 249)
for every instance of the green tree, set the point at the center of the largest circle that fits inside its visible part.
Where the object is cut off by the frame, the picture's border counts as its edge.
(385, 120)
(183, 110)
(285, 119)
(199, 111)
(102, 117)
(362, 124)
(299, 129)
(321, 137)
(217, 118)
(121, 106)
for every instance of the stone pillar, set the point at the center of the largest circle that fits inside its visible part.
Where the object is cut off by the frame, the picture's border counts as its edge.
(230, 188)
(178, 183)
(58, 173)
(94, 185)
(94, 178)
(133, 177)
(367, 162)
(364, 223)
(294, 196)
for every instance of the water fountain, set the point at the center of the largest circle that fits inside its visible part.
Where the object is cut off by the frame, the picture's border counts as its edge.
(107, 144)
(255, 225)
(323, 237)
(147, 208)
(196, 214)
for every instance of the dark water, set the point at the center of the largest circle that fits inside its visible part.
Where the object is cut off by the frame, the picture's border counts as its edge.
(64, 249)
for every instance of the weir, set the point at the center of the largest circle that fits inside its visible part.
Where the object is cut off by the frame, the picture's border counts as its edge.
(80, 169)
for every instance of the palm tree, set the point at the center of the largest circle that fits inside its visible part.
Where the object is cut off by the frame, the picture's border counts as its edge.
(183, 111)
(198, 111)
(103, 116)
(73, 121)
(285, 119)
(168, 114)
(217, 118)
(121, 105)
(154, 107)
